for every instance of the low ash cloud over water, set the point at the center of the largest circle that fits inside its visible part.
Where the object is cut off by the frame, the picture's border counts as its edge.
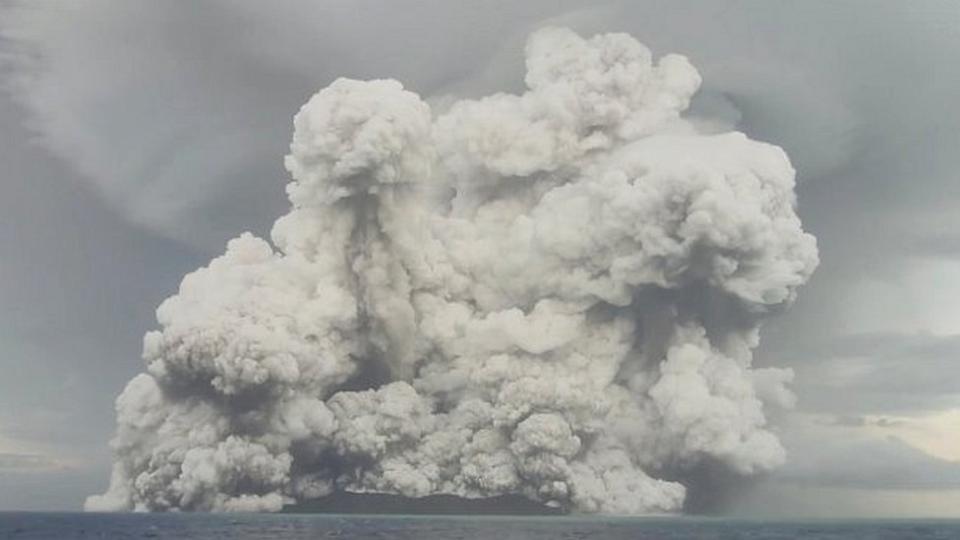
(552, 295)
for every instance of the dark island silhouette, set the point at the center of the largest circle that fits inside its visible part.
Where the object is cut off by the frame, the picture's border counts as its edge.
(379, 503)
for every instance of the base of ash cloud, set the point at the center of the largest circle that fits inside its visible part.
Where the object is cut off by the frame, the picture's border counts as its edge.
(382, 503)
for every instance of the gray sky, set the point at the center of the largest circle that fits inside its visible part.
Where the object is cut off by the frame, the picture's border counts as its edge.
(137, 137)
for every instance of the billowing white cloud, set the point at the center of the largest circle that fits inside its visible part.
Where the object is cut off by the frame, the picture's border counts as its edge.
(554, 294)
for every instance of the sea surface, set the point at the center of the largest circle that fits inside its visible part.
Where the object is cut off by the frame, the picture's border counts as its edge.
(67, 526)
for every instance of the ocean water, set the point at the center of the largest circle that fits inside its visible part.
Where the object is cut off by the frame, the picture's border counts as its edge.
(67, 526)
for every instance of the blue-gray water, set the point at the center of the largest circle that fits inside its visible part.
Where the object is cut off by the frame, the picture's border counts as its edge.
(65, 526)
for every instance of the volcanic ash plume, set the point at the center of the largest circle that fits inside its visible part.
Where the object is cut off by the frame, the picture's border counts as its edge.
(554, 294)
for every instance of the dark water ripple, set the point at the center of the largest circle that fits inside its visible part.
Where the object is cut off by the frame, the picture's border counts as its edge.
(69, 526)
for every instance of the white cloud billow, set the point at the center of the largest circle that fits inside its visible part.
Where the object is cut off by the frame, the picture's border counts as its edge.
(554, 294)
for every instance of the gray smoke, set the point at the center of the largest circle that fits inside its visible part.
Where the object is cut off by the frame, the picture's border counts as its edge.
(554, 294)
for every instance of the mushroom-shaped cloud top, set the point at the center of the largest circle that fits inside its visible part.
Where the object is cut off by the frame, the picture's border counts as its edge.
(354, 137)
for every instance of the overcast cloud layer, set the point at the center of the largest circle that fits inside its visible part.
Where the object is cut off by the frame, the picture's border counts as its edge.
(167, 125)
